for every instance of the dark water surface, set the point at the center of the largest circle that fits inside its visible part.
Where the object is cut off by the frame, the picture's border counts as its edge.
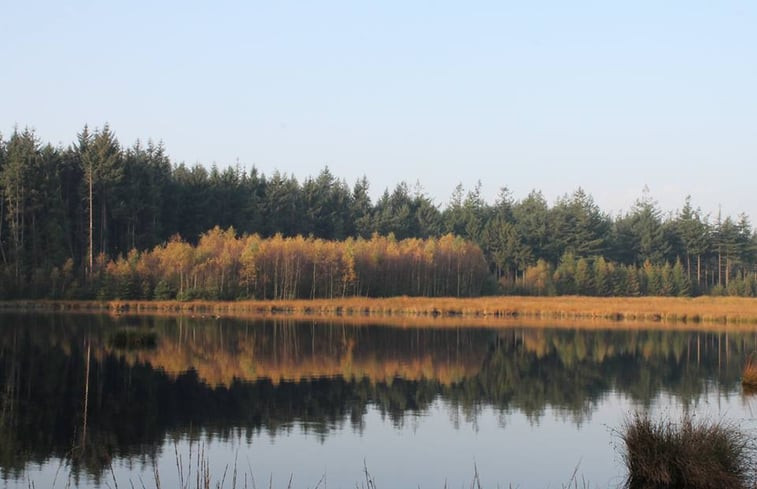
(313, 400)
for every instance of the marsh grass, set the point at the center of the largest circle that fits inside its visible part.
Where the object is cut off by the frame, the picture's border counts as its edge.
(674, 310)
(694, 454)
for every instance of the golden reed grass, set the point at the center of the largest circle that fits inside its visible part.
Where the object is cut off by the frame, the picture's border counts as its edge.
(722, 310)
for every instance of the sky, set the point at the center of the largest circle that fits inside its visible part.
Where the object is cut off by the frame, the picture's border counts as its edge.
(548, 95)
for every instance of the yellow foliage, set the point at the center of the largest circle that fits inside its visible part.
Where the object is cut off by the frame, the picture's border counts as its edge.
(223, 265)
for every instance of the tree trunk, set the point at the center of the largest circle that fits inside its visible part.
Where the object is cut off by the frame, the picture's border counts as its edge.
(103, 228)
(20, 232)
(91, 251)
(688, 265)
(86, 398)
(35, 251)
(720, 267)
(312, 285)
(699, 270)
(2, 213)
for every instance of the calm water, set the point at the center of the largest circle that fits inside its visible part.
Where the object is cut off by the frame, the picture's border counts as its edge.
(323, 400)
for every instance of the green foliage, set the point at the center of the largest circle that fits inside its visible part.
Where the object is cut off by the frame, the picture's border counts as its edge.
(633, 283)
(565, 275)
(667, 285)
(681, 283)
(164, 291)
(584, 278)
(652, 279)
(602, 279)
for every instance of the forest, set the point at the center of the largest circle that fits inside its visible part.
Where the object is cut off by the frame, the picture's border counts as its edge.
(98, 220)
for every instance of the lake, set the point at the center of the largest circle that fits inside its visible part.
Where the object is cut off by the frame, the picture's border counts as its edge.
(101, 401)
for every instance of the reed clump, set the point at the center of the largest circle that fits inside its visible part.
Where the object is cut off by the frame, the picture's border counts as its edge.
(749, 375)
(689, 454)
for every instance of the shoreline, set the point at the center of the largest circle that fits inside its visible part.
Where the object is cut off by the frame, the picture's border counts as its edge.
(718, 310)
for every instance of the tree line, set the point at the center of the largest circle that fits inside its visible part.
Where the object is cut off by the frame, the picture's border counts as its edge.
(69, 216)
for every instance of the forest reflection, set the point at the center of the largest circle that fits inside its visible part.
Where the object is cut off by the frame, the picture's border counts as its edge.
(153, 377)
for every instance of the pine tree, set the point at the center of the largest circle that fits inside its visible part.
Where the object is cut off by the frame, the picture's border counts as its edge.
(681, 282)
(601, 272)
(584, 279)
(694, 234)
(101, 159)
(17, 182)
(653, 280)
(565, 275)
(667, 284)
(647, 227)
(633, 287)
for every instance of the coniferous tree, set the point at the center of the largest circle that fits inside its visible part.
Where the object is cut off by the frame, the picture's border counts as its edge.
(667, 281)
(565, 275)
(21, 158)
(3, 256)
(648, 231)
(633, 287)
(577, 226)
(652, 279)
(727, 237)
(101, 160)
(360, 210)
(601, 273)
(619, 280)
(584, 279)
(531, 216)
(694, 235)
(681, 282)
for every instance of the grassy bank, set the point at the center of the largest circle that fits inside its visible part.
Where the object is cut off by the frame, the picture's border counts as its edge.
(638, 309)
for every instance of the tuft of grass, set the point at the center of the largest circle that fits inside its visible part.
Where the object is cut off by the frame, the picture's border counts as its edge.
(687, 454)
(749, 375)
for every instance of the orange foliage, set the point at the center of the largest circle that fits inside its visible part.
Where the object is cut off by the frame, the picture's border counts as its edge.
(225, 266)
(220, 357)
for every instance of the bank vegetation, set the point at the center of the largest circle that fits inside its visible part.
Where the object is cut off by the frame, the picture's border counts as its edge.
(571, 311)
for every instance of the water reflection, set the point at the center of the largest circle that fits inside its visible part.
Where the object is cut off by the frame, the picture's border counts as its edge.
(153, 378)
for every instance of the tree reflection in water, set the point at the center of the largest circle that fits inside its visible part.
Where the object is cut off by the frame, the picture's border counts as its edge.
(227, 377)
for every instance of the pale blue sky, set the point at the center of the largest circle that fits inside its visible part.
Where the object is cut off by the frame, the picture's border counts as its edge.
(552, 95)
